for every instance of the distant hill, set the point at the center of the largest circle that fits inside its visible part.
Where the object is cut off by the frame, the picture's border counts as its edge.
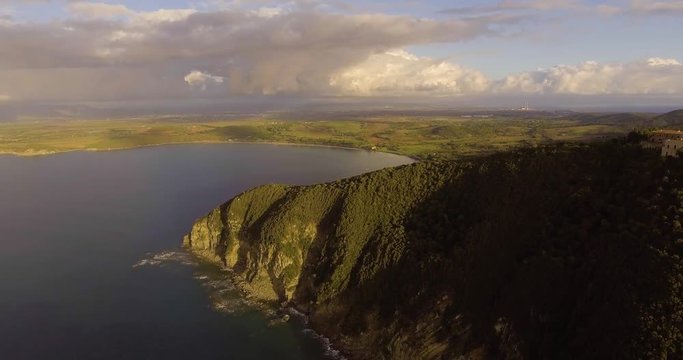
(636, 120)
(622, 117)
(669, 119)
(612, 118)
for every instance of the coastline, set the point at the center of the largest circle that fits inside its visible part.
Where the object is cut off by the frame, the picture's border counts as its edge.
(37, 153)
(286, 312)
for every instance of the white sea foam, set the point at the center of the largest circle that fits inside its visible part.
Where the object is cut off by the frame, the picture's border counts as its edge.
(222, 292)
(303, 318)
(226, 297)
(327, 345)
(164, 258)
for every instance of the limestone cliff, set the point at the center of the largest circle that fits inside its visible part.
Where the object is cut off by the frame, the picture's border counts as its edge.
(547, 253)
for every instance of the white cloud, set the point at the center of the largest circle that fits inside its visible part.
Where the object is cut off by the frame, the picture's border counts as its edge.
(98, 10)
(672, 7)
(268, 12)
(655, 61)
(164, 15)
(652, 76)
(104, 11)
(198, 79)
(401, 73)
(4, 97)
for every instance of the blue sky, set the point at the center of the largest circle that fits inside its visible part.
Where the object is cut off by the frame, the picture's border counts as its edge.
(397, 48)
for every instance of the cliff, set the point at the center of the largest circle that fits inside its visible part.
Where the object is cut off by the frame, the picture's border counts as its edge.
(561, 252)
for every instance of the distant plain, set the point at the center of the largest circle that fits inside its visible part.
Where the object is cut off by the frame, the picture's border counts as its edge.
(417, 135)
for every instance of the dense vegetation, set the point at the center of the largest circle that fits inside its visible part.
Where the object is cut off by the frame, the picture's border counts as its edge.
(555, 252)
(419, 134)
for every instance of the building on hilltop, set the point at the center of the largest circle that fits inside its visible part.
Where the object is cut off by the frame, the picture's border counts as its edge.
(659, 136)
(672, 147)
(669, 141)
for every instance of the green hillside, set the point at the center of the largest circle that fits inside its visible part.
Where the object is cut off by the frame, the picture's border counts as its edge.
(672, 118)
(562, 252)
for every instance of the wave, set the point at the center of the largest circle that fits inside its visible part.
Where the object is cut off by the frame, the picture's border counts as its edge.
(227, 297)
(224, 295)
(165, 258)
(325, 342)
(302, 320)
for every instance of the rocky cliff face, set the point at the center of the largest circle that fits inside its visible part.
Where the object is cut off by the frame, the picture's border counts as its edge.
(273, 234)
(550, 253)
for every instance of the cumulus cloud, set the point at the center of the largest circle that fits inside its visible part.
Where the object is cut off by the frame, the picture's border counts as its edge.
(103, 51)
(198, 79)
(401, 73)
(652, 76)
(257, 52)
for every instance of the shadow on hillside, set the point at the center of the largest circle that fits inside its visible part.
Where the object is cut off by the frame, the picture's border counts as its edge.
(544, 253)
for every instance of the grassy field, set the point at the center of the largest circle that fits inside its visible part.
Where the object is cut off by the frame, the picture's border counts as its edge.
(416, 136)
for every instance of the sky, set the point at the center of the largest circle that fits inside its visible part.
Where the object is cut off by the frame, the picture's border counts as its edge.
(548, 50)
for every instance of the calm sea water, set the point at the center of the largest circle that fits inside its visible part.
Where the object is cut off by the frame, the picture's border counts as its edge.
(73, 225)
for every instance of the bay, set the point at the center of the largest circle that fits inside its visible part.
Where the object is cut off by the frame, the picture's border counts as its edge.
(73, 225)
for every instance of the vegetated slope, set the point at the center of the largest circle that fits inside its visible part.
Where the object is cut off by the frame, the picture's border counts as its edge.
(632, 119)
(671, 118)
(553, 253)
